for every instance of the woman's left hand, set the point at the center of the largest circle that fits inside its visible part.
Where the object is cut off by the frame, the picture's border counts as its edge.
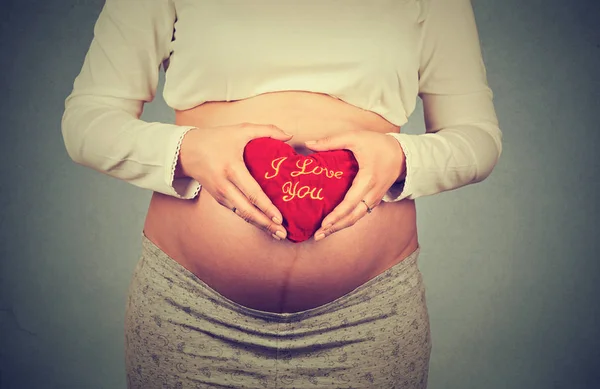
(380, 164)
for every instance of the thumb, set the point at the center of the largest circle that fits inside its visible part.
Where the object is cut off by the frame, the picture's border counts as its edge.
(332, 142)
(265, 131)
(275, 132)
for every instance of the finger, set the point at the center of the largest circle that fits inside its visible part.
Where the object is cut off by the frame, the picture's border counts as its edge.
(266, 130)
(244, 181)
(251, 215)
(344, 140)
(349, 220)
(360, 187)
(233, 197)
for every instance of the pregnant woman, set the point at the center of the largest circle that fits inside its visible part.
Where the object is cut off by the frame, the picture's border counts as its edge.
(227, 293)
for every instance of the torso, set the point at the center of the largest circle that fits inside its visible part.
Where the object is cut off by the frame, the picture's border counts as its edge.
(248, 266)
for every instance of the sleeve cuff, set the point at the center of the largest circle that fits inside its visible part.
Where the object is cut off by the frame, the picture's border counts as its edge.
(401, 190)
(182, 187)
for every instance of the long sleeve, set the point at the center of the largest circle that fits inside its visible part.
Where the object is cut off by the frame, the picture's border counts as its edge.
(101, 124)
(463, 141)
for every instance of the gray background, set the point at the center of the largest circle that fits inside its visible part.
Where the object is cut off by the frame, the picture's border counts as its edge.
(511, 264)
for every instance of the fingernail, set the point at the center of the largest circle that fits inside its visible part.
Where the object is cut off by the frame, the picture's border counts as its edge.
(280, 234)
(275, 236)
(319, 236)
(276, 220)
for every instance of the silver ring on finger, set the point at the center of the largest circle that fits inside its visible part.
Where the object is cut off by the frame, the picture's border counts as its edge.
(369, 209)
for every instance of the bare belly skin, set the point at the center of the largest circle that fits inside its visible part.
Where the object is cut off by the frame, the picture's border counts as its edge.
(248, 266)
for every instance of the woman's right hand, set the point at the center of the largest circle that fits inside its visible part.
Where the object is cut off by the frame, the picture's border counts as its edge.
(215, 158)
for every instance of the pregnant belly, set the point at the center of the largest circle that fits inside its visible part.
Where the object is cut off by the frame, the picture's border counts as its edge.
(248, 266)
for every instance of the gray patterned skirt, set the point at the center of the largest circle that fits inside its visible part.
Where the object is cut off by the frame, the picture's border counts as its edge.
(180, 333)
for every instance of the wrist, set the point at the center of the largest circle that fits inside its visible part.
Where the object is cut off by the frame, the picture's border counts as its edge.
(178, 170)
(182, 157)
(401, 157)
(402, 175)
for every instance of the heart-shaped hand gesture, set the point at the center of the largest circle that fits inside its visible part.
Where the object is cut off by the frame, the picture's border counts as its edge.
(344, 179)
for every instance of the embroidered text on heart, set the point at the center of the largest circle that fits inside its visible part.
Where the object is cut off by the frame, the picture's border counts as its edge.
(290, 189)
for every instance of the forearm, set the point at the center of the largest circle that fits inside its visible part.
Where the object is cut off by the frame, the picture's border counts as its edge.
(446, 160)
(115, 142)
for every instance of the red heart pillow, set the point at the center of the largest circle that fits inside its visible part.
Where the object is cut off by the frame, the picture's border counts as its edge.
(305, 189)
